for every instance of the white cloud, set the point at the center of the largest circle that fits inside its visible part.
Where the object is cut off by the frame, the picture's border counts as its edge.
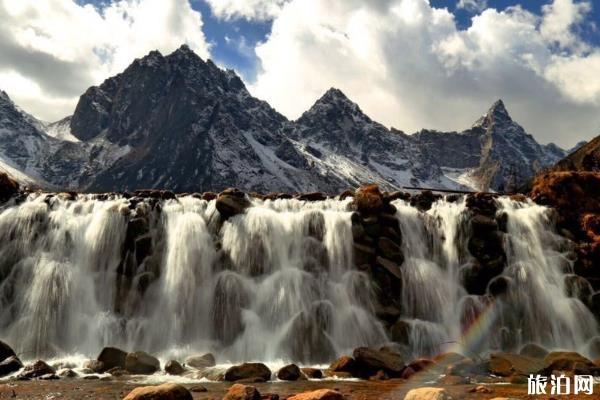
(248, 9)
(52, 50)
(408, 65)
(473, 6)
(559, 19)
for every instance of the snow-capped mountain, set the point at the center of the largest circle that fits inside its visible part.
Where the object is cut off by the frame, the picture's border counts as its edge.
(180, 123)
(495, 153)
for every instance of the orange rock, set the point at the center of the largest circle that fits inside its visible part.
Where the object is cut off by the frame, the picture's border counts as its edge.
(368, 199)
(321, 394)
(167, 391)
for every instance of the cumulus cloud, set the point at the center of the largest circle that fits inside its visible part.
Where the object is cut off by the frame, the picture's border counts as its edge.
(249, 9)
(473, 6)
(52, 50)
(408, 65)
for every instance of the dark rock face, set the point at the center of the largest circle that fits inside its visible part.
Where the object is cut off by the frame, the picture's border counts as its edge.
(36, 370)
(9, 365)
(200, 362)
(248, 371)
(289, 372)
(111, 357)
(173, 367)
(140, 362)
(8, 187)
(584, 158)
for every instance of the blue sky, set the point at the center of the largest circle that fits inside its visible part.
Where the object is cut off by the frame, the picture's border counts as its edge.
(409, 64)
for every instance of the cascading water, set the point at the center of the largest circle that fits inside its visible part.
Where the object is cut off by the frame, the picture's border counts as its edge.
(277, 282)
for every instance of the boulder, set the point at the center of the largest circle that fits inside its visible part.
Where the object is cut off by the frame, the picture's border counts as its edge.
(343, 364)
(166, 391)
(95, 366)
(368, 199)
(563, 361)
(421, 364)
(533, 350)
(424, 200)
(5, 350)
(466, 367)
(390, 250)
(482, 224)
(314, 196)
(369, 361)
(173, 367)
(198, 389)
(8, 187)
(36, 370)
(312, 373)
(391, 267)
(407, 373)
(289, 372)
(10, 365)
(112, 357)
(428, 393)
(321, 394)
(248, 371)
(231, 202)
(200, 362)
(142, 363)
(242, 392)
(68, 373)
(508, 364)
(117, 371)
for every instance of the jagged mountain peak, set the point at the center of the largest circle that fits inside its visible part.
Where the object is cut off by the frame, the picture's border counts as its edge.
(497, 114)
(4, 96)
(335, 106)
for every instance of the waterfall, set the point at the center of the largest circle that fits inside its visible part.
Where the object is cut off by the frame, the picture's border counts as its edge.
(276, 283)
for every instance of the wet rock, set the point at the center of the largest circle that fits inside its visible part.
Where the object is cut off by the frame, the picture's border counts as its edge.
(450, 380)
(482, 203)
(387, 313)
(476, 276)
(314, 196)
(483, 225)
(173, 367)
(142, 363)
(68, 373)
(422, 364)
(407, 373)
(198, 389)
(390, 250)
(49, 377)
(363, 254)
(346, 193)
(321, 394)
(499, 286)
(466, 367)
(480, 389)
(316, 225)
(94, 366)
(563, 361)
(167, 391)
(5, 351)
(508, 364)
(36, 370)
(231, 202)
(424, 200)
(390, 266)
(312, 373)
(289, 372)
(8, 187)
(428, 393)
(533, 350)
(143, 248)
(389, 197)
(117, 371)
(369, 361)
(578, 287)
(400, 332)
(112, 357)
(200, 362)
(248, 371)
(343, 364)
(9, 365)
(242, 392)
(368, 199)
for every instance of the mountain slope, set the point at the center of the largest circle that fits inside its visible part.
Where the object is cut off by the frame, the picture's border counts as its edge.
(495, 153)
(585, 158)
(180, 123)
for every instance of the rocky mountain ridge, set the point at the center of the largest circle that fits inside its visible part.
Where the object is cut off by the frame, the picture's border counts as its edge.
(181, 123)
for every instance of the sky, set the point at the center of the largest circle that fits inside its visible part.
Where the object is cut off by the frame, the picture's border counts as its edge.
(409, 64)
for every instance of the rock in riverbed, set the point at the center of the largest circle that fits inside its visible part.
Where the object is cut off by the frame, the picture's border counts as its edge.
(167, 391)
(248, 371)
